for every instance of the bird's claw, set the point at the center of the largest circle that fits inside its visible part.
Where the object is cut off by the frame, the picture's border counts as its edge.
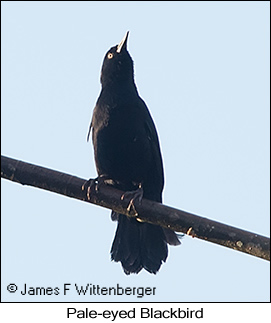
(136, 195)
(90, 185)
(93, 184)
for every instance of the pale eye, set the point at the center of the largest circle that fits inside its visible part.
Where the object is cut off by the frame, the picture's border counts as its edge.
(110, 55)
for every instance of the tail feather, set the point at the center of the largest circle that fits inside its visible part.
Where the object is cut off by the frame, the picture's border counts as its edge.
(154, 247)
(125, 246)
(139, 245)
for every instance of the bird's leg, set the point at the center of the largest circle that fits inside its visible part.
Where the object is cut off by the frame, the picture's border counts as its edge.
(90, 185)
(133, 196)
(94, 183)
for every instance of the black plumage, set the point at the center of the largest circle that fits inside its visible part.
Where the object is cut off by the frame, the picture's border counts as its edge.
(126, 149)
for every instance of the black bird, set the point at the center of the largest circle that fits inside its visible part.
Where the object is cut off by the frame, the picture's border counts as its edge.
(127, 151)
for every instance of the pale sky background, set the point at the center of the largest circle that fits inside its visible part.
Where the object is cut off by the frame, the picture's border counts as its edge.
(203, 70)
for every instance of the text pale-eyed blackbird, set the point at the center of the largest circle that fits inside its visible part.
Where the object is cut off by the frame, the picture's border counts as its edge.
(127, 151)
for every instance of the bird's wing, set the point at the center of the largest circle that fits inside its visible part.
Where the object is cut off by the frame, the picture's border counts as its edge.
(89, 130)
(154, 145)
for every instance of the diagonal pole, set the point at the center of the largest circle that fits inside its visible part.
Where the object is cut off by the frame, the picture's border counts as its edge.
(148, 211)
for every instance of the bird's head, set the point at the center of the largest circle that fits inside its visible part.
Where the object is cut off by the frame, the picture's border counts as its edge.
(118, 64)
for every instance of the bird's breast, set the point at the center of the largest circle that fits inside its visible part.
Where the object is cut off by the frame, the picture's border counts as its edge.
(121, 146)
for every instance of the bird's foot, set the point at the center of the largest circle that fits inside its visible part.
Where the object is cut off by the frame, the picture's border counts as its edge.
(93, 184)
(135, 195)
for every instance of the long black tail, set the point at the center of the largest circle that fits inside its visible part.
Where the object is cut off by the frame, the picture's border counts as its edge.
(140, 245)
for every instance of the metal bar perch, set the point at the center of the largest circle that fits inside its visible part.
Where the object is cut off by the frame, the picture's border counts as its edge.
(148, 211)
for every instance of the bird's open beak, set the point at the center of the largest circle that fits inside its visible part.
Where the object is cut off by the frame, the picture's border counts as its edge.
(123, 43)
